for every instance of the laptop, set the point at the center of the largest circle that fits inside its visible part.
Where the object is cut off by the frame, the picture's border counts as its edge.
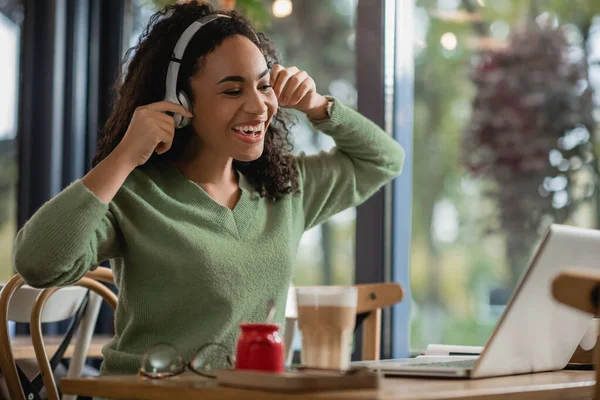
(535, 333)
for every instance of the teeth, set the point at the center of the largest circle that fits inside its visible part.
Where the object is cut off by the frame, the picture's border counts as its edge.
(249, 129)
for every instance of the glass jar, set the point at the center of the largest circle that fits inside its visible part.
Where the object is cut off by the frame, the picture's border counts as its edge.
(260, 347)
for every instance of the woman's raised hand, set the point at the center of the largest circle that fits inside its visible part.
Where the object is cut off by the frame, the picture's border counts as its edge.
(296, 89)
(150, 130)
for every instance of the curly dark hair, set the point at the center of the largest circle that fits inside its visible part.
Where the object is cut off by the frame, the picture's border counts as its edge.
(274, 173)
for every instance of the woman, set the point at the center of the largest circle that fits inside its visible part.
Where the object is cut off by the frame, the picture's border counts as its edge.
(202, 224)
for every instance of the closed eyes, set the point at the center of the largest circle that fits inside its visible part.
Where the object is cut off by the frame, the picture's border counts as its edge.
(237, 92)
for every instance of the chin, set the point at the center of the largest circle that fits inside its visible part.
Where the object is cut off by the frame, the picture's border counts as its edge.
(250, 155)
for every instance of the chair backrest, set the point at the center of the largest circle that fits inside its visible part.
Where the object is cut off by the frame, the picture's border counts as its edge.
(7, 360)
(101, 274)
(38, 313)
(36, 328)
(580, 289)
(88, 323)
(63, 305)
(372, 298)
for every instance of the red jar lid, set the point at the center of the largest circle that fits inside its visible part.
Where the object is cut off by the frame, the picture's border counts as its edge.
(259, 327)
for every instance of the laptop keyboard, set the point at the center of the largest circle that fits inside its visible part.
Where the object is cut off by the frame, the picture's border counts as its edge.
(447, 364)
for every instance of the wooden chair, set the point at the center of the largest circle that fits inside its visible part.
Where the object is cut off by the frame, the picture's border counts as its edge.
(372, 298)
(59, 309)
(580, 289)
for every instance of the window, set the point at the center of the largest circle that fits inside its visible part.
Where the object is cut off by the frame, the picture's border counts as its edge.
(11, 16)
(503, 146)
(326, 252)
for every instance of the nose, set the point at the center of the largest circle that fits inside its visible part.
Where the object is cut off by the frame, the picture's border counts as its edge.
(256, 103)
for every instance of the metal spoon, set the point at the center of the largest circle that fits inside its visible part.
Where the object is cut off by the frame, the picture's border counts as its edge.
(270, 310)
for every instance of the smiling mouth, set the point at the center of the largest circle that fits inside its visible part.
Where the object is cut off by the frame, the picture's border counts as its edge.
(250, 133)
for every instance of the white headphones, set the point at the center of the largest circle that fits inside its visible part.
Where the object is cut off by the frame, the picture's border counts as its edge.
(172, 73)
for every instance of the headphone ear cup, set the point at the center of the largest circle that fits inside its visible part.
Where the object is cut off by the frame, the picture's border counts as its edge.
(181, 121)
(177, 120)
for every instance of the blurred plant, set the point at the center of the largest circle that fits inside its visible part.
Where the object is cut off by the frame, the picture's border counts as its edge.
(531, 132)
(255, 10)
(8, 178)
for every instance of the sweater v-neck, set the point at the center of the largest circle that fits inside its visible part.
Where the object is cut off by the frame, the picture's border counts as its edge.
(189, 192)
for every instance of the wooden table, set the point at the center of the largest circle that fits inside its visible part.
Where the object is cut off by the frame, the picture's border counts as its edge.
(23, 348)
(548, 385)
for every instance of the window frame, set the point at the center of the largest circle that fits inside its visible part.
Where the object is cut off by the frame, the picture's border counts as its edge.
(385, 80)
(403, 131)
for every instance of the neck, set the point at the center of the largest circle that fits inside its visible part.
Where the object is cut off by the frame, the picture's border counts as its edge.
(209, 171)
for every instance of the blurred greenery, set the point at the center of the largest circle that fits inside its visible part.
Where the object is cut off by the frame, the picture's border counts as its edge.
(8, 178)
(460, 274)
(254, 10)
(8, 148)
(8, 210)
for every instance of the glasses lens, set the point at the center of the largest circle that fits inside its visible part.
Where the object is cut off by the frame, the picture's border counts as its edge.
(212, 357)
(162, 360)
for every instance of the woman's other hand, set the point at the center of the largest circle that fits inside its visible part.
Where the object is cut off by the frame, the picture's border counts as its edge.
(296, 89)
(150, 129)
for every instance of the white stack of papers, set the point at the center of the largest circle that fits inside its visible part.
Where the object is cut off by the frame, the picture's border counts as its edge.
(450, 350)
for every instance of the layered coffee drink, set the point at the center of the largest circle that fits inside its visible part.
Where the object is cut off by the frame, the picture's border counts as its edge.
(326, 318)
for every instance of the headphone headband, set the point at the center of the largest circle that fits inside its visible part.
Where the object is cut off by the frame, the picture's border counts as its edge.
(175, 62)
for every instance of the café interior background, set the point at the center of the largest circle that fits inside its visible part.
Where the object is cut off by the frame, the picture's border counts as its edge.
(505, 133)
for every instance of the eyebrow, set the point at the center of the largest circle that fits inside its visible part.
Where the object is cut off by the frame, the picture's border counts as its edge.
(237, 78)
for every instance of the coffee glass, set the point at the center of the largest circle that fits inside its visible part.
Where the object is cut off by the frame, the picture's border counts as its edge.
(326, 318)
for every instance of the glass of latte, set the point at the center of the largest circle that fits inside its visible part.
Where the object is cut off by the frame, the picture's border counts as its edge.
(326, 318)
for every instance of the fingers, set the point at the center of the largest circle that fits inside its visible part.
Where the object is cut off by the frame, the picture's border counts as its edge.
(280, 77)
(162, 148)
(165, 134)
(159, 116)
(166, 126)
(154, 115)
(275, 70)
(291, 86)
(166, 140)
(163, 106)
(302, 90)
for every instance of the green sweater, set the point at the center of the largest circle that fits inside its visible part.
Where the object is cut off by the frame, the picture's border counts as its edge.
(188, 269)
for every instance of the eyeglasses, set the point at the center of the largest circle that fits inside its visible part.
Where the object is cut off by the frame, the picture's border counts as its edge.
(164, 360)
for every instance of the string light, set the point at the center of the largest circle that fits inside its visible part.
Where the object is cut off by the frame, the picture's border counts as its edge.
(282, 8)
(449, 41)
